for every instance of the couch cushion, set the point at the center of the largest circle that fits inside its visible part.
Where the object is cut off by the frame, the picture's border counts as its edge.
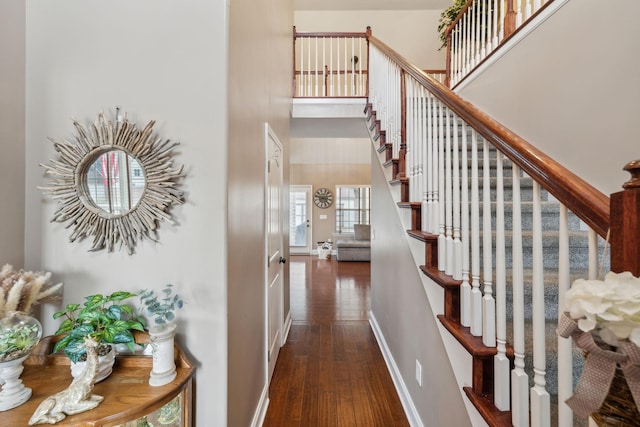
(353, 244)
(362, 231)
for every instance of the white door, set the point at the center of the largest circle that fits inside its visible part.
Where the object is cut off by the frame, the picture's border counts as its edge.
(300, 219)
(275, 254)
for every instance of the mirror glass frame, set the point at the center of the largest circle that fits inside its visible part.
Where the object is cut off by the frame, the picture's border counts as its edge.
(69, 186)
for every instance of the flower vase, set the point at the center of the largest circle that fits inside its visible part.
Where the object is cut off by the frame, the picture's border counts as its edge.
(164, 365)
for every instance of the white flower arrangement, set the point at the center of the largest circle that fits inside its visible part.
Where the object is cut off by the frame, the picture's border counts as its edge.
(609, 308)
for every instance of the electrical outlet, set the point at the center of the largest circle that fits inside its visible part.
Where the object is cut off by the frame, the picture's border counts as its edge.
(418, 373)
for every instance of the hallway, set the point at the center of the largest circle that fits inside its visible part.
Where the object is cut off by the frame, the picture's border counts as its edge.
(331, 371)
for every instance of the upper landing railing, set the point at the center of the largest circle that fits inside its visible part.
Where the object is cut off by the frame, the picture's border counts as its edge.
(481, 27)
(334, 65)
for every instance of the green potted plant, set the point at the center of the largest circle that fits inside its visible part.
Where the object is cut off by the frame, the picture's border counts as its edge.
(105, 318)
(161, 309)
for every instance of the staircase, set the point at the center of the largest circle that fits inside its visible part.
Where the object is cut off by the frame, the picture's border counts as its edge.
(481, 393)
(489, 223)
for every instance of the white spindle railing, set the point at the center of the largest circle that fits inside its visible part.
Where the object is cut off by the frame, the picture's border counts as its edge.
(330, 65)
(480, 29)
(443, 163)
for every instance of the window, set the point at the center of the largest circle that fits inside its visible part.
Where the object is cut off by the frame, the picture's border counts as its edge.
(353, 206)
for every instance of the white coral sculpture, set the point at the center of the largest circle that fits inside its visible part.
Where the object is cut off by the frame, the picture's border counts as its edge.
(20, 290)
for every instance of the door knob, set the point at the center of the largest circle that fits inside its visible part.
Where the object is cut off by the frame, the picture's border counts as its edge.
(283, 260)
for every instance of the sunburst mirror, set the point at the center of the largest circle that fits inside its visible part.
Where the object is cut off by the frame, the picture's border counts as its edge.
(114, 183)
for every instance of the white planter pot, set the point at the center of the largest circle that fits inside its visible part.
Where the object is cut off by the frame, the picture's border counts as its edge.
(105, 366)
(164, 365)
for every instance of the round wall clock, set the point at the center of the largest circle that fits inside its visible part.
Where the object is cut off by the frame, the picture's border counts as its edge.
(323, 198)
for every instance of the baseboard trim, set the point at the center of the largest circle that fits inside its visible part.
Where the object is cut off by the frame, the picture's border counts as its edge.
(286, 328)
(261, 410)
(405, 398)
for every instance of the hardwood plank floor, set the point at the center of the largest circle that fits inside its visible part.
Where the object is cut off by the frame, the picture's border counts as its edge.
(331, 372)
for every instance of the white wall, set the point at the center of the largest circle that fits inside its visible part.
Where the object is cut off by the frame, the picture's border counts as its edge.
(400, 306)
(412, 33)
(260, 75)
(12, 52)
(156, 59)
(571, 88)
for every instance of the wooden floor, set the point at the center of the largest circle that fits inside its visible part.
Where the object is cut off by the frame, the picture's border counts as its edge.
(331, 371)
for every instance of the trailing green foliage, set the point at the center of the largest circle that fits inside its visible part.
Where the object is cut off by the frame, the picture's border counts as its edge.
(447, 17)
(162, 308)
(101, 317)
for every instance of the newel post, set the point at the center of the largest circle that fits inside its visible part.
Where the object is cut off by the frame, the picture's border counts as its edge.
(625, 224)
(293, 82)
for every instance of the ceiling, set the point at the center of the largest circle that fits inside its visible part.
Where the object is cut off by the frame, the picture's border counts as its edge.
(371, 4)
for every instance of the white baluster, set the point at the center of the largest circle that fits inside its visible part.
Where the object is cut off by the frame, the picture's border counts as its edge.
(427, 209)
(352, 89)
(448, 197)
(518, 13)
(475, 54)
(496, 13)
(527, 10)
(490, 28)
(426, 155)
(441, 196)
(476, 294)
(309, 78)
(502, 15)
(483, 28)
(465, 287)
(519, 378)
(565, 356)
(593, 255)
(457, 242)
(346, 67)
(540, 399)
(488, 302)
(315, 85)
(435, 174)
(501, 362)
(324, 62)
(420, 145)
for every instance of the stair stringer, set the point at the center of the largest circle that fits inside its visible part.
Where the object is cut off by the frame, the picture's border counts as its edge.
(459, 358)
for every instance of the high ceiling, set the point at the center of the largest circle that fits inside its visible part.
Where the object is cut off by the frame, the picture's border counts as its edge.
(371, 4)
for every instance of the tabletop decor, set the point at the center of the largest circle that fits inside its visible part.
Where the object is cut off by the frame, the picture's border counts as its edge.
(19, 334)
(162, 329)
(603, 318)
(20, 290)
(103, 317)
(77, 397)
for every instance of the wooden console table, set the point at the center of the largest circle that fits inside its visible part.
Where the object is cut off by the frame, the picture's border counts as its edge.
(129, 400)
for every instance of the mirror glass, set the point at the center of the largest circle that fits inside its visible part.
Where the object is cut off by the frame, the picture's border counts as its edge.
(115, 182)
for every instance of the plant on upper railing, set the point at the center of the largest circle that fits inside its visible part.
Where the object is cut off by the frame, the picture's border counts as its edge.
(161, 308)
(100, 316)
(447, 17)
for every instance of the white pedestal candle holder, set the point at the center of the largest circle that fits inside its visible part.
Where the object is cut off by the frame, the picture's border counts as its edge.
(164, 365)
(13, 393)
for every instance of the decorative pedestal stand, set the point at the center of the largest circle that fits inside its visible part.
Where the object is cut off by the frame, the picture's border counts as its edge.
(164, 365)
(13, 393)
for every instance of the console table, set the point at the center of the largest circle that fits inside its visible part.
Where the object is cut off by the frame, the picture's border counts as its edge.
(129, 400)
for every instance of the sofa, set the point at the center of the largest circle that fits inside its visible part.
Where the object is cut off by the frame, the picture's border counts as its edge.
(358, 248)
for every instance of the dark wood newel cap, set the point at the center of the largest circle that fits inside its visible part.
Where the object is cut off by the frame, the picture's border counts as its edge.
(634, 169)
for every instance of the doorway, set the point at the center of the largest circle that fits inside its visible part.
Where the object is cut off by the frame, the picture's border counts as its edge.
(300, 221)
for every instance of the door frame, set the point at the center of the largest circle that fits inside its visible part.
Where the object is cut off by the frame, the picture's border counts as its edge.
(308, 189)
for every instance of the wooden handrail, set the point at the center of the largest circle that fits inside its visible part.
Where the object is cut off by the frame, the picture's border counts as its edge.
(585, 201)
(327, 34)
